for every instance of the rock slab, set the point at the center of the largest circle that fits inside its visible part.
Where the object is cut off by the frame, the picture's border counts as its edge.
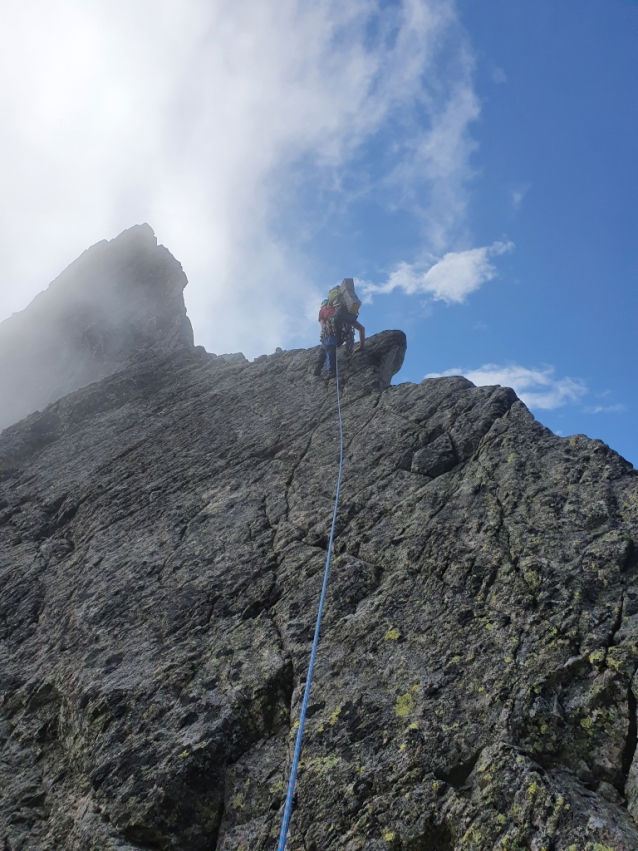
(162, 539)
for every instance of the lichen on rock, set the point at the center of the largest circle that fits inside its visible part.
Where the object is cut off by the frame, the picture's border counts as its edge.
(162, 538)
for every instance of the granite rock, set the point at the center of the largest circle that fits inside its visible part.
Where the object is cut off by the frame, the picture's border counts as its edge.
(163, 533)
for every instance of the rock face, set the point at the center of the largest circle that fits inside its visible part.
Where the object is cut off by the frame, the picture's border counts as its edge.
(119, 300)
(162, 539)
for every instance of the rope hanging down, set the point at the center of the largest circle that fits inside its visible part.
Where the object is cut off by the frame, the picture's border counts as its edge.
(304, 704)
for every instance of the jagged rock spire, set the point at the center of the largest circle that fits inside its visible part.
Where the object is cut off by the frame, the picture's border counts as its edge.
(118, 300)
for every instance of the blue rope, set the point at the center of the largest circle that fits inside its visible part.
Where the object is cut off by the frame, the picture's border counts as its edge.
(304, 704)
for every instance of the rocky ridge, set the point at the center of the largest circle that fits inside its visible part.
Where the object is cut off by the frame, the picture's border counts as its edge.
(162, 539)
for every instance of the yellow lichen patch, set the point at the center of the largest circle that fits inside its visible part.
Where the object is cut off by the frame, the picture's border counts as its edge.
(413, 726)
(404, 705)
(238, 801)
(388, 836)
(552, 822)
(323, 764)
(183, 754)
(586, 723)
(620, 659)
(335, 716)
(392, 635)
(531, 578)
(473, 836)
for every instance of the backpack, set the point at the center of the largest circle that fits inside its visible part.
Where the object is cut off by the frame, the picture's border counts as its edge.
(345, 297)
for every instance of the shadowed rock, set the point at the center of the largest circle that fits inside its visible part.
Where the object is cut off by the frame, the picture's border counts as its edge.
(162, 539)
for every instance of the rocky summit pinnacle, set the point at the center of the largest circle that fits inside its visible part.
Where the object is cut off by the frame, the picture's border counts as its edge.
(162, 538)
(119, 300)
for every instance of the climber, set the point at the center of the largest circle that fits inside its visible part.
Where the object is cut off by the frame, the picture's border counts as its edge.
(346, 303)
(338, 318)
(328, 340)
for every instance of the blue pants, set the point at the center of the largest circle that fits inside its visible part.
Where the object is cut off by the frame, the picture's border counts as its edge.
(327, 355)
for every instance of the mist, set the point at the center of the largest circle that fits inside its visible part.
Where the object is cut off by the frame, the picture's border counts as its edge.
(118, 303)
(244, 133)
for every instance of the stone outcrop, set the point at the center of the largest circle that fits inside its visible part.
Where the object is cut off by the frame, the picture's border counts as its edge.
(120, 300)
(162, 539)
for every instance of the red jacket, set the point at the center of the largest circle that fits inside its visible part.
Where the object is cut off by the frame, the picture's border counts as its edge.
(327, 310)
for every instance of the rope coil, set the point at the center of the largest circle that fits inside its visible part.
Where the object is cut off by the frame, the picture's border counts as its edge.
(304, 704)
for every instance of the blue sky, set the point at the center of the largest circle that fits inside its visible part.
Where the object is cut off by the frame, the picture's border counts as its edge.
(556, 173)
(471, 164)
(561, 130)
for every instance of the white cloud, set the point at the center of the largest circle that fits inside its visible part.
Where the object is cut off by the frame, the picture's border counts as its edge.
(537, 388)
(205, 118)
(435, 161)
(498, 75)
(518, 194)
(605, 409)
(450, 279)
